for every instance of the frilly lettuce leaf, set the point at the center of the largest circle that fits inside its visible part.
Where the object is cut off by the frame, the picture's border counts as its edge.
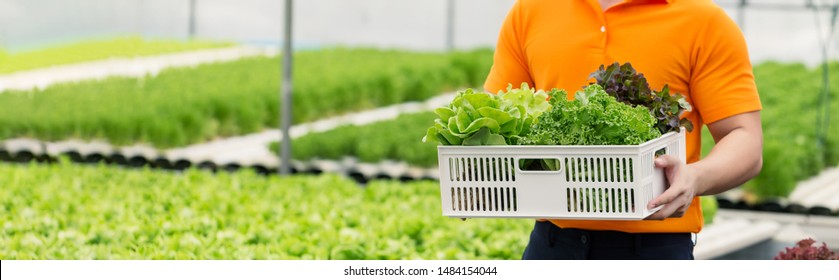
(481, 118)
(592, 118)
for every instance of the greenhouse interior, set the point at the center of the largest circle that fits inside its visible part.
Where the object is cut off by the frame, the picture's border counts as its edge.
(179, 130)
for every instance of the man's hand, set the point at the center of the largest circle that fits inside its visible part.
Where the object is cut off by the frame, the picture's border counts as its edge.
(736, 158)
(677, 198)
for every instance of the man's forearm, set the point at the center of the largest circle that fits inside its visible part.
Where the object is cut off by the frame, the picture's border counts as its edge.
(734, 160)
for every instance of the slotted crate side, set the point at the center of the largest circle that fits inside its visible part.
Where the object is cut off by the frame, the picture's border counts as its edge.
(593, 200)
(484, 199)
(603, 169)
(480, 169)
(592, 182)
(470, 193)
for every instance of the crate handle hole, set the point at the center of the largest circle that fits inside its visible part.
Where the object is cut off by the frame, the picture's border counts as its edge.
(539, 164)
(661, 152)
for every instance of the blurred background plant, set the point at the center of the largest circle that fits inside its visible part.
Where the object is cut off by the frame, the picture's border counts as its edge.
(805, 250)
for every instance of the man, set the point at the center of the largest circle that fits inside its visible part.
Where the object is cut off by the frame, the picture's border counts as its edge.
(692, 46)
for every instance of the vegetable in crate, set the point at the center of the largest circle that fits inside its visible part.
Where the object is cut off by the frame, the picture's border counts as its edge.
(631, 87)
(592, 118)
(481, 118)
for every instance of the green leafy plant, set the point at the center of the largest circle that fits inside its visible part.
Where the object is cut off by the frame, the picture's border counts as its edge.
(631, 87)
(181, 106)
(372, 142)
(592, 118)
(481, 118)
(129, 46)
(66, 211)
(791, 151)
(709, 208)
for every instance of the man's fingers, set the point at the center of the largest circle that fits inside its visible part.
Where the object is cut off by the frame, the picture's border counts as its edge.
(668, 211)
(675, 199)
(665, 198)
(658, 215)
(671, 165)
(675, 208)
(682, 210)
(655, 216)
(665, 161)
(672, 209)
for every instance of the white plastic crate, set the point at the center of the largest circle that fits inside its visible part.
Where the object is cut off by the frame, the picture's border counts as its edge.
(592, 182)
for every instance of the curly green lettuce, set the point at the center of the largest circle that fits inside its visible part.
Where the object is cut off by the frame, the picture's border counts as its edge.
(593, 118)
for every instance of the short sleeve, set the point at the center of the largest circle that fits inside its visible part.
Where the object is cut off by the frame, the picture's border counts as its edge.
(722, 82)
(509, 64)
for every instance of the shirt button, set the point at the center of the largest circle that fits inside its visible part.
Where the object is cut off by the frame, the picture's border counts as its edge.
(603, 28)
(583, 239)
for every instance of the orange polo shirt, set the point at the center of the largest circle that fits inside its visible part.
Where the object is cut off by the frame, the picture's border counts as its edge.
(691, 45)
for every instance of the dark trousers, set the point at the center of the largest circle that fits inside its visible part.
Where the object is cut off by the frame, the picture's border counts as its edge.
(549, 242)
